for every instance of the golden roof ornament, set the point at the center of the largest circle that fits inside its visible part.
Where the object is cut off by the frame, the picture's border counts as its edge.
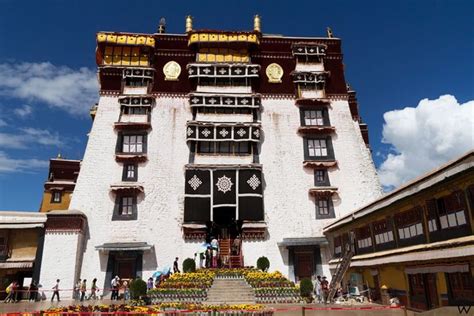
(257, 23)
(59, 156)
(329, 32)
(189, 23)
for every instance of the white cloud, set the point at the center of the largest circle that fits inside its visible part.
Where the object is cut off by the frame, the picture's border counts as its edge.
(58, 86)
(424, 137)
(3, 123)
(9, 165)
(24, 111)
(27, 136)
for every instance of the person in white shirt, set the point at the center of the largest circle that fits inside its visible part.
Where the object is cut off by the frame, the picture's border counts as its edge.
(56, 291)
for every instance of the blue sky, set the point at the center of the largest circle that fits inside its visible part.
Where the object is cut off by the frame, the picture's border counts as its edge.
(396, 53)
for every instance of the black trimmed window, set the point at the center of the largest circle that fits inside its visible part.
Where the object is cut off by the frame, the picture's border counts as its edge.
(224, 147)
(324, 207)
(224, 110)
(318, 148)
(56, 197)
(321, 178)
(130, 172)
(3, 244)
(135, 110)
(132, 143)
(125, 208)
(364, 239)
(314, 117)
(409, 226)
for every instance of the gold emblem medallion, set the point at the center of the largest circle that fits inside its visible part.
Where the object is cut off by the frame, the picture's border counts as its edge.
(274, 73)
(172, 70)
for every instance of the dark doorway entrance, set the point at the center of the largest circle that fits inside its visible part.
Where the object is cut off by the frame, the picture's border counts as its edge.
(125, 264)
(423, 291)
(304, 264)
(225, 225)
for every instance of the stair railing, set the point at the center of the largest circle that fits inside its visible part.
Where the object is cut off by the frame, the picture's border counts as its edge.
(341, 268)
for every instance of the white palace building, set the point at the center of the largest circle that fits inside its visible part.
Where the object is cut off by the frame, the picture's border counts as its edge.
(212, 134)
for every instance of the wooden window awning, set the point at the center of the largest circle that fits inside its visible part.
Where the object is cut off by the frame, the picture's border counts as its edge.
(131, 187)
(146, 73)
(254, 230)
(225, 100)
(125, 39)
(124, 246)
(323, 191)
(320, 164)
(136, 101)
(316, 129)
(313, 101)
(223, 71)
(310, 77)
(194, 231)
(130, 157)
(204, 131)
(309, 49)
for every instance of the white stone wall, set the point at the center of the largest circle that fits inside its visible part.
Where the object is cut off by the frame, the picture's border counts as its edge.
(60, 261)
(289, 209)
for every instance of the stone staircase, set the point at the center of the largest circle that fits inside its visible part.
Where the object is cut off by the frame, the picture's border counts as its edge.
(230, 291)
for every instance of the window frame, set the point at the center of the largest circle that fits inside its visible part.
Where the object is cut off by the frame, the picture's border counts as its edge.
(324, 116)
(119, 148)
(241, 148)
(125, 172)
(53, 197)
(307, 149)
(330, 207)
(117, 214)
(325, 178)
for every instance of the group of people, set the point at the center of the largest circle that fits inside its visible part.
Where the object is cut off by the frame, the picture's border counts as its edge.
(321, 289)
(80, 290)
(117, 286)
(14, 290)
(210, 257)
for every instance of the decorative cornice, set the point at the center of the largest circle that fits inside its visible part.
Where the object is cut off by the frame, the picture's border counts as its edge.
(338, 97)
(278, 96)
(158, 53)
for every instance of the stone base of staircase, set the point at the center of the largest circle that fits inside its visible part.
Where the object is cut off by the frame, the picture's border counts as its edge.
(230, 291)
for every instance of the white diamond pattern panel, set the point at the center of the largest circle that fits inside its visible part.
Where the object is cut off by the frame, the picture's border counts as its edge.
(253, 182)
(195, 182)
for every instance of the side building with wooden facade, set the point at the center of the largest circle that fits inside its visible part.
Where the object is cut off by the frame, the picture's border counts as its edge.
(415, 243)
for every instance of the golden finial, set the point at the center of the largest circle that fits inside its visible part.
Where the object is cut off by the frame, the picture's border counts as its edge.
(189, 23)
(59, 156)
(257, 23)
(329, 32)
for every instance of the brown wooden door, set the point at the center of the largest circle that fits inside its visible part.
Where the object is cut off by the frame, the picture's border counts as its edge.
(304, 266)
(126, 268)
(431, 290)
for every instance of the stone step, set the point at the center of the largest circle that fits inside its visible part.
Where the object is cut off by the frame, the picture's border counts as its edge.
(230, 291)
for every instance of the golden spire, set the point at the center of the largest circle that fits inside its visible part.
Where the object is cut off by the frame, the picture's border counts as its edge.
(189, 23)
(257, 25)
(59, 156)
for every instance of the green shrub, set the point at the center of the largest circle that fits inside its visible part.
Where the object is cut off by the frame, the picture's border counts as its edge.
(306, 287)
(189, 265)
(137, 289)
(263, 263)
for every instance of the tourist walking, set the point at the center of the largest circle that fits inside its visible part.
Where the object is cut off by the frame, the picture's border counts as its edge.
(317, 288)
(215, 250)
(175, 266)
(76, 294)
(94, 289)
(11, 289)
(324, 289)
(56, 291)
(83, 289)
(236, 246)
(208, 256)
(114, 285)
(33, 291)
(126, 290)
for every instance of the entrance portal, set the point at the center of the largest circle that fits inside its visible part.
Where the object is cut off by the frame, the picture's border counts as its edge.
(225, 226)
